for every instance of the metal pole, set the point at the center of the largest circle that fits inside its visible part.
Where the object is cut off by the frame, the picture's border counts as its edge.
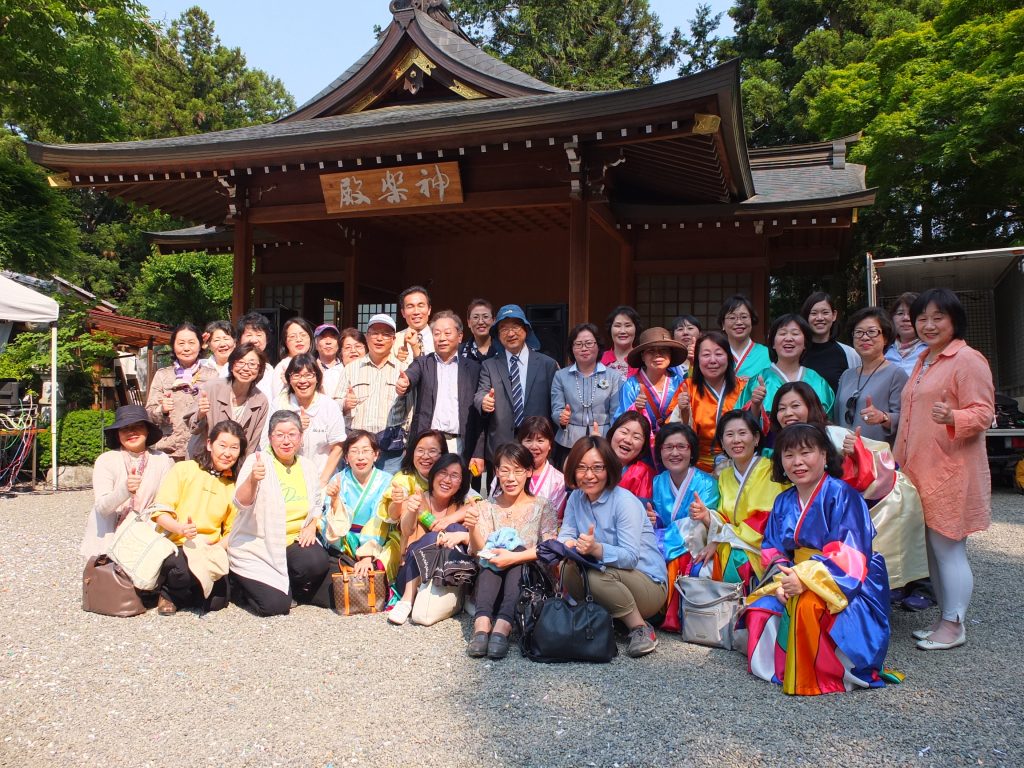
(53, 403)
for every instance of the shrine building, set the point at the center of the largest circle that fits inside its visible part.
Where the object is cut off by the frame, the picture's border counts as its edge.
(430, 162)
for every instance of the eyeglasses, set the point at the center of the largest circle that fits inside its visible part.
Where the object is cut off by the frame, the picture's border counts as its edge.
(737, 318)
(867, 333)
(480, 318)
(430, 453)
(303, 376)
(289, 437)
(359, 452)
(594, 469)
(295, 337)
(455, 477)
(675, 449)
(584, 344)
(387, 332)
(246, 366)
(516, 472)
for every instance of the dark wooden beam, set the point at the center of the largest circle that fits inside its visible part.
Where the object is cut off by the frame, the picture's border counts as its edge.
(579, 262)
(242, 264)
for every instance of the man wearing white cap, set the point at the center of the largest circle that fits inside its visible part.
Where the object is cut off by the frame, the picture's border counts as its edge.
(370, 387)
(326, 337)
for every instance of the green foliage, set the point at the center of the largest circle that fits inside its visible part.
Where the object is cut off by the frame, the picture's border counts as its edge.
(59, 65)
(176, 287)
(699, 51)
(79, 350)
(79, 439)
(37, 233)
(576, 44)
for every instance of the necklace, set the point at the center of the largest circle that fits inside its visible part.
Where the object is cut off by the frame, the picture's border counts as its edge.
(587, 404)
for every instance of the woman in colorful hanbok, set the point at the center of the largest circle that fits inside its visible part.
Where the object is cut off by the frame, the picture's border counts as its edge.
(746, 493)
(712, 389)
(788, 340)
(630, 439)
(869, 467)
(737, 319)
(354, 494)
(656, 391)
(675, 489)
(821, 624)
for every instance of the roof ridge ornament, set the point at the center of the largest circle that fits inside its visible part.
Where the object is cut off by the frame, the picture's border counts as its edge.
(437, 10)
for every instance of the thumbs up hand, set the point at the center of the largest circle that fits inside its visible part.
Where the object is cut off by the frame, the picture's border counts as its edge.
(304, 419)
(134, 480)
(204, 403)
(564, 417)
(870, 414)
(586, 544)
(595, 429)
(402, 385)
(652, 515)
(850, 441)
(641, 401)
(259, 469)
(683, 402)
(942, 410)
(189, 530)
(351, 401)
(398, 494)
(167, 403)
(487, 406)
(699, 511)
(760, 391)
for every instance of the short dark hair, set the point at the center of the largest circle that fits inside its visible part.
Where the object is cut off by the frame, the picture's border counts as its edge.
(410, 448)
(351, 333)
(815, 410)
(884, 322)
(179, 329)
(629, 312)
(446, 314)
(675, 428)
(479, 303)
(682, 320)
(903, 300)
(303, 323)
(804, 436)
(354, 436)
(946, 302)
(218, 325)
(612, 465)
(816, 298)
(645, 426)
(205, 458)
(747, 418)
(577, 330)
(732, 304)
(305, 361)
(786, 319)
(448, 460)
(409, 292)
(241, 351)
(722, 341)
(515, 453)
(536, 426)
(255, 320)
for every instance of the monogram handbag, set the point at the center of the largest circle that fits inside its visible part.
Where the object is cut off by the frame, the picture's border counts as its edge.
(354, 595)
(566, 632)
(708, 611)
(140, 549)
(108, 590)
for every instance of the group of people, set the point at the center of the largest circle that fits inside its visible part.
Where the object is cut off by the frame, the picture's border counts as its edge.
(818, 475)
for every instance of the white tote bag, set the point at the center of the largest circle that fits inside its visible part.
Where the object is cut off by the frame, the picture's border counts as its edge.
(140, 549)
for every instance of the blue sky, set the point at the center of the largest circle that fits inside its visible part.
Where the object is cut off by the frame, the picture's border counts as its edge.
(307, 43)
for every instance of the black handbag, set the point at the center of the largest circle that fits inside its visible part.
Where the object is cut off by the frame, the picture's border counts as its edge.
(392, 438)
(535, 587)
(565, 632)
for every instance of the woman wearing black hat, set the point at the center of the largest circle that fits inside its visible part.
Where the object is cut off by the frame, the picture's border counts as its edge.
(124, 478)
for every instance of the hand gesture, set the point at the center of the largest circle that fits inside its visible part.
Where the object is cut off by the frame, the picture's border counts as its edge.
(398, 494)
(259, 469)
(413, 504)
(652, 515)
(308, 534)
(759, 392)
(699, 510)
(351, 401)
(487, 406)
(565, 415)
(683, 403)
(303, 419)
(595, 429)
(134, 481)
(641, 401)
(412, 338)
(402, 354)
(942, 411)
(870, 414)
(402, 385)
(477, 466)
(585, 542)
(333, 488)
(472, 517)
(189, 530)
(204, 403)
(850, 442)
(706, 554)
(167, 403)
(790, 584)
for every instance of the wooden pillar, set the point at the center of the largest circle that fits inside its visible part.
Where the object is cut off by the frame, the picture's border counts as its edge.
(579, 262)
(241, 294)
(351, 308)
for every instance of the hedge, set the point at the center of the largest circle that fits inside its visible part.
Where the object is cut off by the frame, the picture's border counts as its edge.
(79, 438)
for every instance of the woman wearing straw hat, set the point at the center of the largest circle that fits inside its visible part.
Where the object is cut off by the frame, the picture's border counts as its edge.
(655, 391)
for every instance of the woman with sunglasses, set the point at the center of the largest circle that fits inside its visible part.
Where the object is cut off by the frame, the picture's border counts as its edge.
(869, 395)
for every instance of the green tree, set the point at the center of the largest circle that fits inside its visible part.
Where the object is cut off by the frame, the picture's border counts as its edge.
(699, 51)
(59, 65)
(176, 287)
(942, 107)
(577, 44)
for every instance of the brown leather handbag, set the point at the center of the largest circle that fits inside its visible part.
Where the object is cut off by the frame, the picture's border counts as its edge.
(108, 590)
(354, 595)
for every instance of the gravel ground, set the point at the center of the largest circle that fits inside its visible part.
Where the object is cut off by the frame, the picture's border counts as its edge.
(316, 689)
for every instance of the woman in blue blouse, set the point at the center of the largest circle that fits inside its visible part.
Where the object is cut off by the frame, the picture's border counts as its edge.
(608, 524)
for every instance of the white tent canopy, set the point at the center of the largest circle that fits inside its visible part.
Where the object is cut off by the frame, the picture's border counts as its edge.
(19, 304)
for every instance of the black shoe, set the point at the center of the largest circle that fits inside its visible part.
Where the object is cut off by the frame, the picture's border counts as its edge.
(477, 647)
(497, 646)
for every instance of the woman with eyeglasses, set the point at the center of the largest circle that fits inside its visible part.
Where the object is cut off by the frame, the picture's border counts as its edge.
(869, 468)
(297, 335)
(323, 425)
(737, 319)
(402, 500)
(273, 549)
(536, 435)
(504, 532)
(869, 395)
(607, 523)
(236, 397)
(585, 394)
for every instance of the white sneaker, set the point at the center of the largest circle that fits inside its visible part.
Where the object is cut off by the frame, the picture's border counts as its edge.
(399, 614)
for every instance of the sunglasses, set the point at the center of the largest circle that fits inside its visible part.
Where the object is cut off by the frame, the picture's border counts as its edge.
(851, 407)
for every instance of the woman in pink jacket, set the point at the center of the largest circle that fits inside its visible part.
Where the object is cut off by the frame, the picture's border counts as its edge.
(947, 405)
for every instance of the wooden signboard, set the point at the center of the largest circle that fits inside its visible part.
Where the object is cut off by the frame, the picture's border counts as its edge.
(389, 188)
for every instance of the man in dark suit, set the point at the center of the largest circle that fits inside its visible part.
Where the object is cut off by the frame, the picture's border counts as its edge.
(444, 385)
(517, 382)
